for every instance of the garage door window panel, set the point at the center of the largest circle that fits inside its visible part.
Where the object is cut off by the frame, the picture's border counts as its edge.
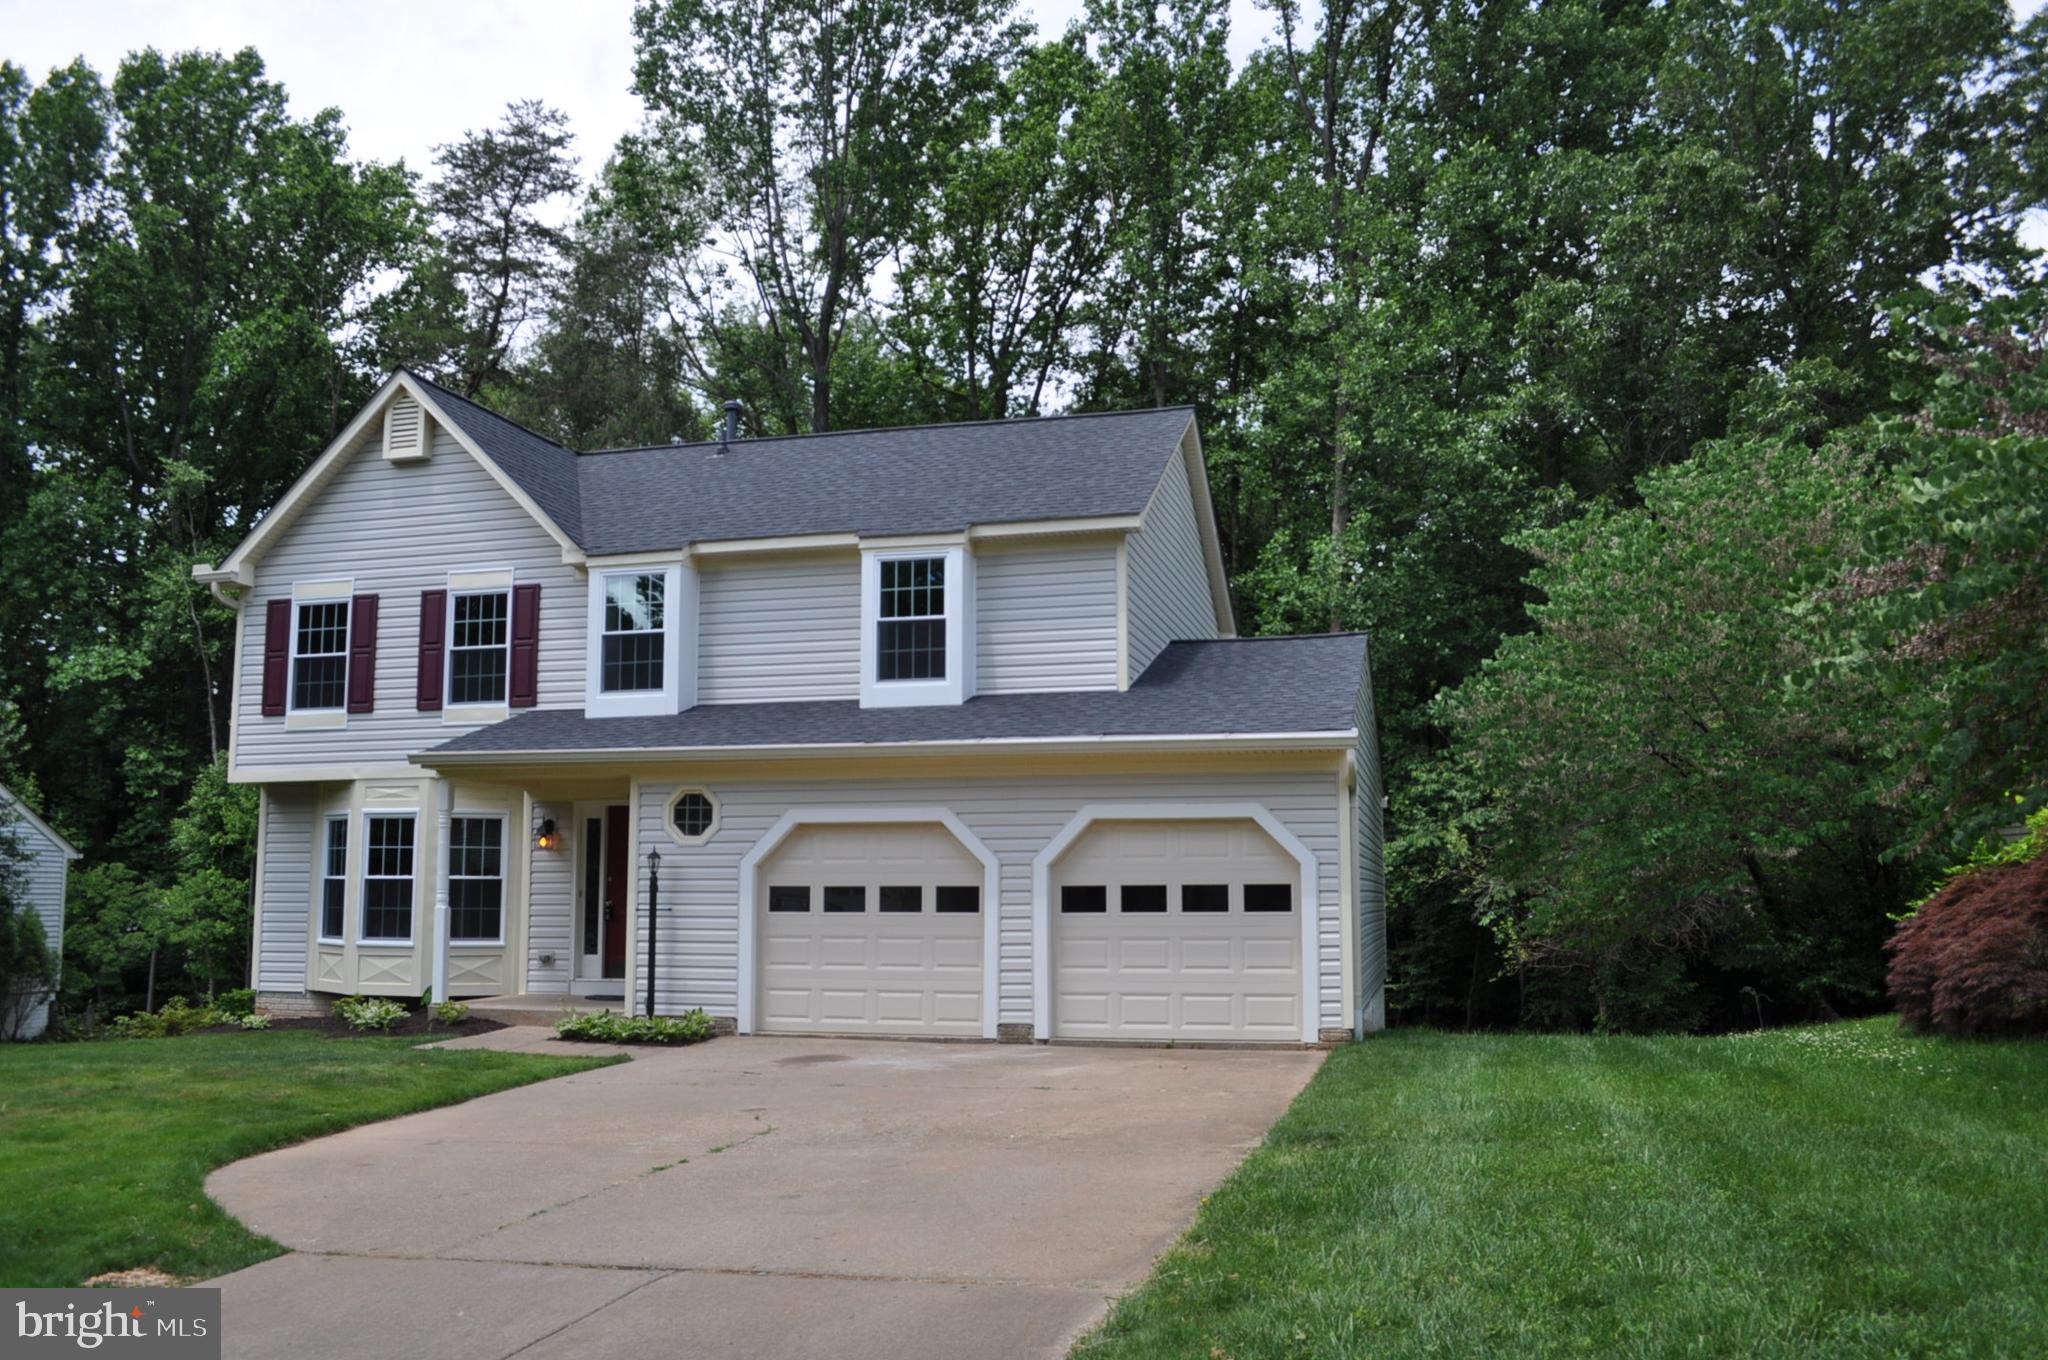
(1084, 899)
(847, 900)
(1268, 897)
(962, 899)
(789, 899)
(1205, 898)
(901, 898)
(1142, 898)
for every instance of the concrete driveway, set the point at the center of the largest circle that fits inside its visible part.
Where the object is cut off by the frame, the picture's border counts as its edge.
(751, 1197)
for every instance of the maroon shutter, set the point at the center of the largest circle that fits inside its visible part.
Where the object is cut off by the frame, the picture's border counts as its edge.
(277, 655)
(524, 689)
(362, 656)
(433, 641)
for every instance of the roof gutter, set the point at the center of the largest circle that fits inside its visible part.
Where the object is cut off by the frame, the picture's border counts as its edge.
(1224, 741)
(221, 580)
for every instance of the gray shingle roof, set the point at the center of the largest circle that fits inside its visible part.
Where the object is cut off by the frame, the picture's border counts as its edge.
(914, 480)
(1250, 686)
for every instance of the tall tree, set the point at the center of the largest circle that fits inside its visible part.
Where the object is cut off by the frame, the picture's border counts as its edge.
(189, 368)
(500, 251)
(819, 129)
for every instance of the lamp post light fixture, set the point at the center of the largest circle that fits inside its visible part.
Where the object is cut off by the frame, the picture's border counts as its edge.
(653, 916)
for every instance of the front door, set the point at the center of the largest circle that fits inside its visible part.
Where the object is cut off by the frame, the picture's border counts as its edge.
(618, 891)
(603, 894)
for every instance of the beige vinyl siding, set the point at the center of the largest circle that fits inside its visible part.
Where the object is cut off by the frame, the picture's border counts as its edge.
(44, 868)
(1015, 817)
(551, 914)
(399, 529)
(1168, 579)
(776, 628)
(1370, 850)
(1045, 617)
(290, 822)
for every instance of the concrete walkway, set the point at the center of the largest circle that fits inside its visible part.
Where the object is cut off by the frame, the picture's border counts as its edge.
(751, 1198)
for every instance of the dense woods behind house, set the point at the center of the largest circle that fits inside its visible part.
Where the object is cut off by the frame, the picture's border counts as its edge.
(1660, 385)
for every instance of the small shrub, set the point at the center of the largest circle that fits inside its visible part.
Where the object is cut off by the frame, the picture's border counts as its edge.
(255, 1020)
(1974, 959)
(607, 1027)
(175, 1017)
(237, 1003)
(370, 1012)
(451, 1012)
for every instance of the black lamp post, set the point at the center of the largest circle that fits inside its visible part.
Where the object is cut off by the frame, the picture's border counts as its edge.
(653, 918)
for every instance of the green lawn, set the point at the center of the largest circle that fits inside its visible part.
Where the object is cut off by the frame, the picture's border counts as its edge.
(1844, 1190)
(105, 1147)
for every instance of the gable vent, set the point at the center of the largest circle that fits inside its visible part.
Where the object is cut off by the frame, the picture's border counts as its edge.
(405, 430)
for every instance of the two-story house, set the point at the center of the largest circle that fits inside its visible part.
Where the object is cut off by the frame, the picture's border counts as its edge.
(929, 731)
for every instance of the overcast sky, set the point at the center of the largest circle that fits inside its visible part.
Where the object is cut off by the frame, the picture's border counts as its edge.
(411, 74)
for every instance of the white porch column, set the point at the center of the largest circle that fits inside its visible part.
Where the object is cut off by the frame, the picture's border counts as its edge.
(444, 805)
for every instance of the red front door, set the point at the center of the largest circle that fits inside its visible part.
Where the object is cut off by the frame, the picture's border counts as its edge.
(618, 891)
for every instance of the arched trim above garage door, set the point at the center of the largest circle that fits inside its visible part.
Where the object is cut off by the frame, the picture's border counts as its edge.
(1041, 892)
(795, 820)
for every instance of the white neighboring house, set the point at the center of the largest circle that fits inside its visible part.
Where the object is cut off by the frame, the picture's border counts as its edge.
(937, 731)
(44, 866)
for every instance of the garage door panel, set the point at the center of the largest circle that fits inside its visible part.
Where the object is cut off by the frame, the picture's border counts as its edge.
(1215, 974)
(1143, 955)
(871, 971)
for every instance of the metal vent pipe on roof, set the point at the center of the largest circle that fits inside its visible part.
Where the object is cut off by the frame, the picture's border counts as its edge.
(732, 422)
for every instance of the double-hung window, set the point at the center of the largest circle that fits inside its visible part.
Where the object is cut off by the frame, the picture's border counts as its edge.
(635, 637)
(480, 646)
(910, 628)
(476, 879)
(320, 656)
(333, 878)
(388, 877)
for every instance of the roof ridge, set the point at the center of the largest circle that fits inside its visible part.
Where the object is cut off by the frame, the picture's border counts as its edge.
(1279, 637)
(886, 429)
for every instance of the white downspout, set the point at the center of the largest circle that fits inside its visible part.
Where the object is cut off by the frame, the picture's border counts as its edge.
(445, 805)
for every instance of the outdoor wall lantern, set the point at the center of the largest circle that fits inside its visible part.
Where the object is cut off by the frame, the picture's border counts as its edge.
(544, 837)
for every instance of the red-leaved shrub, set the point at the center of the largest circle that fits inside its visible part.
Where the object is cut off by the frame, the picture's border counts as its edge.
(1974, 959)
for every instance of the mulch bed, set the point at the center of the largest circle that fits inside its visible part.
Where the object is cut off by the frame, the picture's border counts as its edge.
(419, 1024)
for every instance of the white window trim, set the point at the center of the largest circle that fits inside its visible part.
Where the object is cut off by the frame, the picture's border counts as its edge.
(362, 858)
(504, 854)
(958, 686)
(341, 592)
(668, 815)
(462, 585)
(327, 825)
(679, 646)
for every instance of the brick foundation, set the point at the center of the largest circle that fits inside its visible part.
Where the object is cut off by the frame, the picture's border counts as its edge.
(724, 1024)
(1013, 1034)
(293, 1005)
(1330, 1038)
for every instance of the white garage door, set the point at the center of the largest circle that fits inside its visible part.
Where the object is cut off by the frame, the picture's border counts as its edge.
(871, 929)
(1176, 930)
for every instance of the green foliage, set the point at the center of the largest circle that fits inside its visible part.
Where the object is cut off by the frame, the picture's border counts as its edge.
(255, 1020)
(1956, 578)
(177, 1017)
(370, 1013)
(236, 1004)
(451, 1012)
(1660, 798)
(606, 1027)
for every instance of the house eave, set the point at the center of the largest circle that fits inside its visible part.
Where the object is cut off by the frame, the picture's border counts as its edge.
(1333, 742)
